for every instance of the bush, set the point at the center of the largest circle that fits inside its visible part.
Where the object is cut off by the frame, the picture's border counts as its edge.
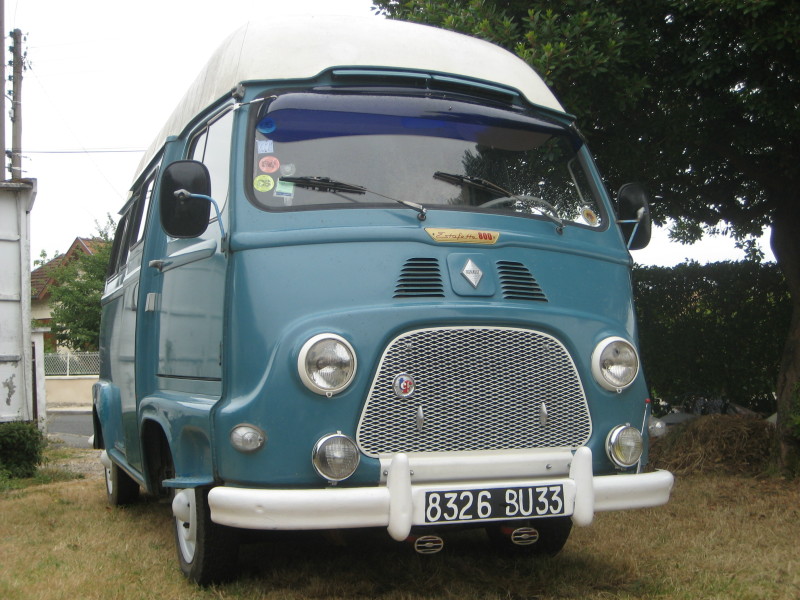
(21, 446)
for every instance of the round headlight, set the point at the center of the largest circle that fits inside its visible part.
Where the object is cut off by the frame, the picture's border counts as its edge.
(247, 438)
(327, 364)
(624, 445)
(615, 364)
(335, 457)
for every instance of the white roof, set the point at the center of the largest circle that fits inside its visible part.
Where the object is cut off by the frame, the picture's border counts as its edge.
(287, 48)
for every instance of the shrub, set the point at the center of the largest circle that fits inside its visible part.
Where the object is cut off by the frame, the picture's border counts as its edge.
(21, 446)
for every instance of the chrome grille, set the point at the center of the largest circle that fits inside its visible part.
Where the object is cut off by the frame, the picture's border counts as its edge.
(478, 388)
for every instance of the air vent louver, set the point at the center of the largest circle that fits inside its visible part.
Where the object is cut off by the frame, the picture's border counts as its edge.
(518, 283)
(420, 278)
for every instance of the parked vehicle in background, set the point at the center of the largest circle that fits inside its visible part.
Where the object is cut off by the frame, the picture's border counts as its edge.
(368, 276)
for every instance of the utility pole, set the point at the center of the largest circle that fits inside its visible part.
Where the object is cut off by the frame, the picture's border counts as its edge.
(18, 64)
(3, 88)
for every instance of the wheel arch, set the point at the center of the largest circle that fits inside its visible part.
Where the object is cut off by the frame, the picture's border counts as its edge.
(169, 453)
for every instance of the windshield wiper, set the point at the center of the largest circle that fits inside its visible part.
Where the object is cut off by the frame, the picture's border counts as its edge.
(326, 184)
(476, 182)
(489, 186)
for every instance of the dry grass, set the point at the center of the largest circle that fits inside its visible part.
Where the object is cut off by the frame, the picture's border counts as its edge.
(715, 443)
(721, 536)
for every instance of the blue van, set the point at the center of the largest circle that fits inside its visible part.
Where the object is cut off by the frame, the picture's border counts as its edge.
(368, 276)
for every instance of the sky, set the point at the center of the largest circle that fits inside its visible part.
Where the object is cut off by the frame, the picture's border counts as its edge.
(102, 78)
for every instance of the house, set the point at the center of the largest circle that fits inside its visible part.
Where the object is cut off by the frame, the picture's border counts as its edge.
(42, 279)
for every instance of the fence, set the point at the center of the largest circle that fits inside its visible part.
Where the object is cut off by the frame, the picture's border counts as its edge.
(71, 364)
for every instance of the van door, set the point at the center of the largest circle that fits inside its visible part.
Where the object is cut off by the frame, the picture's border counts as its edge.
(189, 306)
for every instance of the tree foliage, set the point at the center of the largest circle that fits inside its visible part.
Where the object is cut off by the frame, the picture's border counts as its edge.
(700, 96)
(714, 331)
(75, 299)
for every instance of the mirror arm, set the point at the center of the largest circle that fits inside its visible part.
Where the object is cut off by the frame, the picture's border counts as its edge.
(184, 194)
(636, 222)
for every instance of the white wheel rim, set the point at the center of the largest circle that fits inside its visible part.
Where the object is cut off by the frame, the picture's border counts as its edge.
(187, 530)
(109, 482)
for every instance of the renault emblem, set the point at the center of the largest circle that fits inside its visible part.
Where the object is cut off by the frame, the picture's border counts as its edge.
(472, 273)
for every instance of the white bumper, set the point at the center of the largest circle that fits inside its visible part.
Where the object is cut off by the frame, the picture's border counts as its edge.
(399, 504)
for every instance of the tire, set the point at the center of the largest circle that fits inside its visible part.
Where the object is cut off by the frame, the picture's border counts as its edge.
(121, 488)
(207, 552)
(552, 533)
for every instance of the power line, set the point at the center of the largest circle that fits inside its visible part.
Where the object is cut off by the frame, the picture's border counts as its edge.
(87, 151)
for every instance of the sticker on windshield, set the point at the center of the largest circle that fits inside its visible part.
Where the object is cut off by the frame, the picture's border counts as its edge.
(265, 146)
(263, 183)
(284, 189)
(589, 216)
(269, 164)
(266, 125)
(462, 236)
(288, 169)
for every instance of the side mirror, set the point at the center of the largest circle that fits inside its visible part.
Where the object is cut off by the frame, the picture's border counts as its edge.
(633, 212)
(185, 215)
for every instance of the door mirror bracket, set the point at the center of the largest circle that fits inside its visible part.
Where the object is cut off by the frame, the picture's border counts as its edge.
(633, 215)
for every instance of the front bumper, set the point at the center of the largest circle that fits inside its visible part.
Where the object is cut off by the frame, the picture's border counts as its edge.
(399, 504)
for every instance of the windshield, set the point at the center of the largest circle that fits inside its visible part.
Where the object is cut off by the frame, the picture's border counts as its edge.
(442, 154)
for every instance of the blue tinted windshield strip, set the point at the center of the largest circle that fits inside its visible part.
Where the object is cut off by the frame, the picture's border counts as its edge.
(307, 116)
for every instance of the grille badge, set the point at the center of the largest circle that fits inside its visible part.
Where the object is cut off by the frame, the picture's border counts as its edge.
(403, 385)
(543, 416)
(472, 273)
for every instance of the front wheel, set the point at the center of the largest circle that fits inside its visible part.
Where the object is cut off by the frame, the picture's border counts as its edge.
(535, 536)
(207, 552)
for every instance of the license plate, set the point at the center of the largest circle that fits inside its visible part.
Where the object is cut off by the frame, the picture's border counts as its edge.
(498, 503)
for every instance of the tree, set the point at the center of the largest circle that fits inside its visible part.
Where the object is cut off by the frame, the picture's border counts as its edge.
(701, 96)
(75, 299)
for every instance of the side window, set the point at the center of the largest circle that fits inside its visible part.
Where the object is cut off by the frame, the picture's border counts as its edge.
(140, 210)
(131, 226)
(119, 243)
(212, 147)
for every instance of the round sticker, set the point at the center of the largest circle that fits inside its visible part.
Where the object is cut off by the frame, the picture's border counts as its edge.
(288, 170)
(269, 164)
(589, 216)
(263, 183)
(266, 125)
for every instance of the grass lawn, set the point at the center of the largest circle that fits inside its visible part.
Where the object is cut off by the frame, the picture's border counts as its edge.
(719, 537)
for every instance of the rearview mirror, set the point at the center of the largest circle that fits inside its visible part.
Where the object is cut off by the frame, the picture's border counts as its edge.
(633, 212)
(184, 215)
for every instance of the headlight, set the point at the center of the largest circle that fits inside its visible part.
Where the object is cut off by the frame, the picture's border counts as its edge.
(335, 457)
(624, 445)
(327, 364)
(615, 364)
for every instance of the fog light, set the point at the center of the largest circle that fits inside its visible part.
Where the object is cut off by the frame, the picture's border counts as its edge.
(624, 445)
(335, 457)
(247, 438)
